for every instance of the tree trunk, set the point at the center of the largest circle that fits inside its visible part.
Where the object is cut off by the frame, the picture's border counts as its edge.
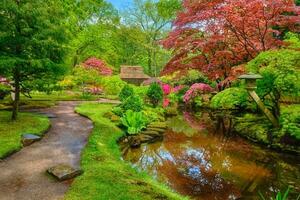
(16, 99)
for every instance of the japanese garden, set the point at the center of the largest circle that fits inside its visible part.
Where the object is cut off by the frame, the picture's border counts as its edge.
(149, 99)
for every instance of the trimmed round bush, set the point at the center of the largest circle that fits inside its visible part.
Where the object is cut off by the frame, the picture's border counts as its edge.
(133, 103)
(231, 98)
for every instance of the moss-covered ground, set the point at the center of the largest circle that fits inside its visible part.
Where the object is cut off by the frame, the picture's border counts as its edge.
(11, 131)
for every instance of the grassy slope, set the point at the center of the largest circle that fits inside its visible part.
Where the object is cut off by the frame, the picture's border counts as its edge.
(10, 132)
(106, 176)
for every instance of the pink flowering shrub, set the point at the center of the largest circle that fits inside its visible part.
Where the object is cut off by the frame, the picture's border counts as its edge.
(195, 90)
(178, 88)
(99, 65)
(167, 89)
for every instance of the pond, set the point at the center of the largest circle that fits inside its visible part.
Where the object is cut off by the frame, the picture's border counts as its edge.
(200, 157)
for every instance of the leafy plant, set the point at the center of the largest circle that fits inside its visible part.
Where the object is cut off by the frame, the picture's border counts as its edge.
(290, 121)
(134, 103)
(279, 195)
(118, 111)
(134, 121)
(112, 84)
(126, 92)
(155, 94)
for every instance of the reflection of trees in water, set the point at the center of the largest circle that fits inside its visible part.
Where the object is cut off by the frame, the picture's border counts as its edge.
(209, 164)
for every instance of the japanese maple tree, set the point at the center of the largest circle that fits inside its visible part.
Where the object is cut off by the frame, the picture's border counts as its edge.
(99, 65)
(215, 36)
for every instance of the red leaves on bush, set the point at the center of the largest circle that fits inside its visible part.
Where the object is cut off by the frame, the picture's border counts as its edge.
(99, 65)
(215, 35)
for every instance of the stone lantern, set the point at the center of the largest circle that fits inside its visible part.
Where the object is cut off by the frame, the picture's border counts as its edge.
(251, 86)
(250, 80)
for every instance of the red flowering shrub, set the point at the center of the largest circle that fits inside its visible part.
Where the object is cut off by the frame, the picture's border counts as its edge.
(99, 65)
(195, 90)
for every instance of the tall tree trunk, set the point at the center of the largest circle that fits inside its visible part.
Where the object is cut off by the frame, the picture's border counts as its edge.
(16, 99)
(149, 61)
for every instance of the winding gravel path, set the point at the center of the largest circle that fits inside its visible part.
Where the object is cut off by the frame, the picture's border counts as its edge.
(23, 175)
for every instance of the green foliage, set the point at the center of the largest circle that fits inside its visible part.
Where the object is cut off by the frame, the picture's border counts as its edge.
(155, 94)
(193, 76)
(117, 111)
(32, 42)
(4, 90)
(134, 121)
(134, 103)
(231, 98)
(83, 77)
(279, 195)
(126, 92)
(141, 91)
(154, 114)
(112, 85)
(290, 121)
(280, 71)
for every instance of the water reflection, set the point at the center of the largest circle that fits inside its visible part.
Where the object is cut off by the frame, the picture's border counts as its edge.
(200, 157)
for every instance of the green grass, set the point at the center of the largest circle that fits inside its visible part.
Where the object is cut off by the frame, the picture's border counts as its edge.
(10, 132)
(106, 176)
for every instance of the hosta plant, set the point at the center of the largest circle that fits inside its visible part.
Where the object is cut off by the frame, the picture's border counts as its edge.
(134, 122)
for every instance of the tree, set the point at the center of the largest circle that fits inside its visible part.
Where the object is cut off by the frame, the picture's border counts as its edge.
(31, 44)
(213, 36)
(280, 71)
(154, 19)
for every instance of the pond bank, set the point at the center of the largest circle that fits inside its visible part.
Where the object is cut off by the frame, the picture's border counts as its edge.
(106, 176)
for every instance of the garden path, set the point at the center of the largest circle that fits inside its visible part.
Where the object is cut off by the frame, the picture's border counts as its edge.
(23, 175)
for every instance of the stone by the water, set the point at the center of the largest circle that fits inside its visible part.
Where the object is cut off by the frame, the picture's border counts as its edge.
(64, 172)
(161, 125)
(28, 139)
(159, 130)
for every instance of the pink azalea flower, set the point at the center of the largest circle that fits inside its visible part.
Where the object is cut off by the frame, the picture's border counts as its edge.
(195, 90)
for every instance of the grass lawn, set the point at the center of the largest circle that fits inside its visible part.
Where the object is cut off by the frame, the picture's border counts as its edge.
(10, 132)
(106, 176)
(43, 100)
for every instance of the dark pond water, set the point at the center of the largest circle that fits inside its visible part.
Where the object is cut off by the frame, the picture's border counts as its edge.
(201, 158)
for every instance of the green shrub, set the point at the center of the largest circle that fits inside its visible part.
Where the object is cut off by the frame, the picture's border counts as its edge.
(118, 111)
(154, 114)
(155, 94)
(141, 91)
(112, 85)
(4, 90)
(134, 122)
(290, 121)
(231, 98)
(193, 76)
(126, 92)
(134, 103)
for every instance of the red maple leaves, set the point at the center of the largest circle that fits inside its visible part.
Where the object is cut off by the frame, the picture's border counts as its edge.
(213, 36)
